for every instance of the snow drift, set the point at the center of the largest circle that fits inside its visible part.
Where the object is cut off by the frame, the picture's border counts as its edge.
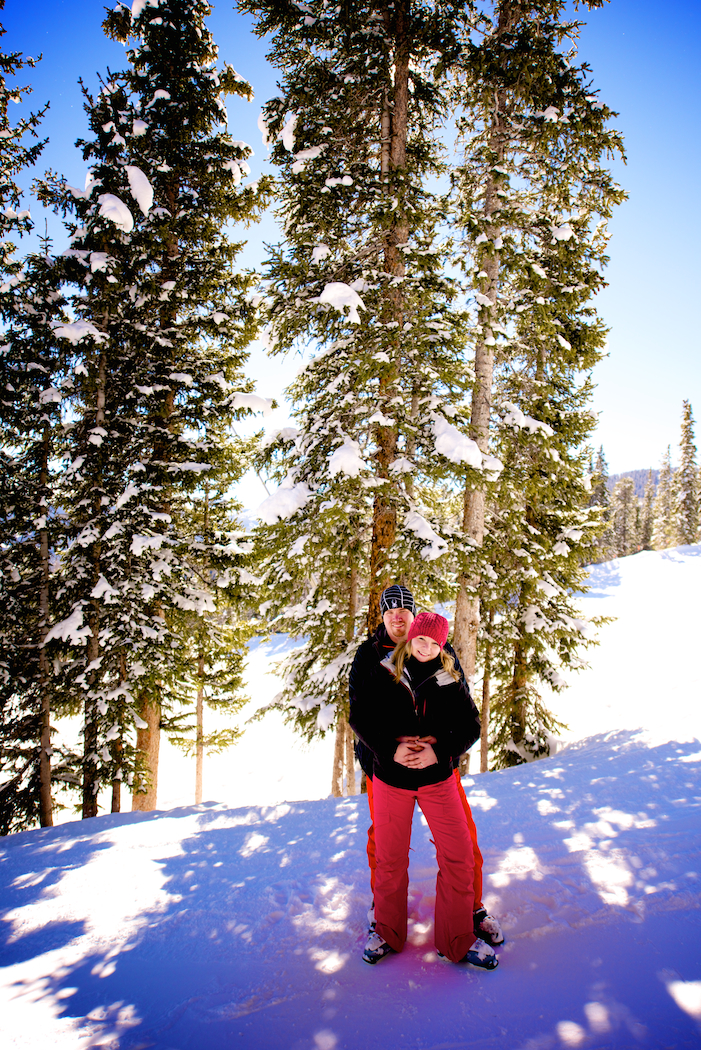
(215, 926)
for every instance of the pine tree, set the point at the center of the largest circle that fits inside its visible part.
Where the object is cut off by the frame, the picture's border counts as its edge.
(535, 138)
(600, 497)
(647, 517)
(355, 132)
(534, 198)
(29, 418)
(625, 514)
(685, 494)
(35, 384)
(662, 532)
(163, 322)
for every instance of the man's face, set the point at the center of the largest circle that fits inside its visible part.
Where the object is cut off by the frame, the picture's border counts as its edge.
(397, 622)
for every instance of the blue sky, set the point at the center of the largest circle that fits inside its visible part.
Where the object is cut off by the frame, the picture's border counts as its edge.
(645, 59)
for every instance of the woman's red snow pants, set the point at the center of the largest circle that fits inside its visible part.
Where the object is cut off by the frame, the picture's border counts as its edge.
(476, 854)
(441, 805)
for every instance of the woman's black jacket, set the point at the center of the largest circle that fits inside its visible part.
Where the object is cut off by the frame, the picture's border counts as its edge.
(439, 706)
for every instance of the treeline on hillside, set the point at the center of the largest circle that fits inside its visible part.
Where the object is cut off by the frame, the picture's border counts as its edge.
(666, 514)
(441, 424)
(640, 479)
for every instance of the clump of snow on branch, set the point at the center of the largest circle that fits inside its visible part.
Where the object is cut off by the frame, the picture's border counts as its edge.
(320, 252)
(77, 330)
(254, 402)
(514, 417)
(454, 445)
(71, 629)
(435, 545)
(346, 460)
(284, 502)
(287, 135)
(141, 188)
(114, 209)
(339, 295)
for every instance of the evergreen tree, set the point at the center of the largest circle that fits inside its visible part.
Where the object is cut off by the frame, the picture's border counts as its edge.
(662, 532)
(29, 420)
(647, 515)
(35, 383)
(355, 132)
(625, 514)
(163, 322)
(541, 526)
(685, 494)
(600, 497)
(535, 140)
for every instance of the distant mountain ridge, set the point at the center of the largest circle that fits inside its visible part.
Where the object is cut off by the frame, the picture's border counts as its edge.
(639, 479)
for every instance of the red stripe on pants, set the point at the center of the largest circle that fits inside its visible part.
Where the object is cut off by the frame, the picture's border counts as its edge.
(477, 887)
(372, 858)
(441, 805)
(476, 854)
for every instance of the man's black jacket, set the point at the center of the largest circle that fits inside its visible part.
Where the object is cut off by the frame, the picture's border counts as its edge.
(369, 680)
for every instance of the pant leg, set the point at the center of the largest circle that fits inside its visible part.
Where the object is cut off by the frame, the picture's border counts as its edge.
(443, 810)
(394, 808)
(372, 858)
(477, 856)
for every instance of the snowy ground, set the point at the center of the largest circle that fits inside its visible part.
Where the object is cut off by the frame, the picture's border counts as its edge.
(209, 927)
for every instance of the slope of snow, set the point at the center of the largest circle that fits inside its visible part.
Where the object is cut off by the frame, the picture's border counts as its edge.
(209, 927)
(646, 671)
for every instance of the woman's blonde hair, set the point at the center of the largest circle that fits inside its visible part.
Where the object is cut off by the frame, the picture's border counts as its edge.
(402, 653)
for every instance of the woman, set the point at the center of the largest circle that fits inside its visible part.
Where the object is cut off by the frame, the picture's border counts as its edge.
(417, 723)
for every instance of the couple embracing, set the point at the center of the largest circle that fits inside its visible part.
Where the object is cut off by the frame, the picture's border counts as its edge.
(413, 715)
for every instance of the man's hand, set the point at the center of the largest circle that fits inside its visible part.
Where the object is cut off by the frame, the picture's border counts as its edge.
(415, 753)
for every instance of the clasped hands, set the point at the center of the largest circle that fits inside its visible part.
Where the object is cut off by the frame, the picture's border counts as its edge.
(416, 752)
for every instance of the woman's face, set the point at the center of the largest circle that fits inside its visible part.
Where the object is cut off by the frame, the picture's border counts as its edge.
(424, 648)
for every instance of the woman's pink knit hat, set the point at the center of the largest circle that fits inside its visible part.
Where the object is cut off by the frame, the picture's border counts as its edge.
(431, 625)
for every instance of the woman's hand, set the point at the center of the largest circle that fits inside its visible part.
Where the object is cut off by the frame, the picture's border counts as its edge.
(415, 754)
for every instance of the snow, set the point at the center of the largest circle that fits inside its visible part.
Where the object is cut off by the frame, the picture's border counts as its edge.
(339, 295)
(284, 502)
(514, 417)
(321, 251)
(254, 402)
(563, 232)
(242, 922)
(435, 545)
(287, 135)
(114, 209)
(347, 460)
(71, 628)
(77, 330)
(138, 6)
(141, 189)
(454, 445)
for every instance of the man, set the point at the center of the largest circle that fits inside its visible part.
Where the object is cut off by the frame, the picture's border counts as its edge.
(398, 612)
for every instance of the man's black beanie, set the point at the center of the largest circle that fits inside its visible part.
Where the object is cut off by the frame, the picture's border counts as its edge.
(397, 597)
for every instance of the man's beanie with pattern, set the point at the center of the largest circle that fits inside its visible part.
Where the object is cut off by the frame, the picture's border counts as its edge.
(430, 625)
(397, 597)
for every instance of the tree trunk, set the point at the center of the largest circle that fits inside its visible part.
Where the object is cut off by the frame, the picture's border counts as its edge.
(148, 740)
(118, 744)
(519, 694)
(467, 606)
(45, 801)
(147, 745)
(350, 762)
(199, 742)
(338, 751)
(393, 124)
(484, 714)
(90, 773)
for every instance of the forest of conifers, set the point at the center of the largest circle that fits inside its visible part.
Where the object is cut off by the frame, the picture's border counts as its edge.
(442, 190)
